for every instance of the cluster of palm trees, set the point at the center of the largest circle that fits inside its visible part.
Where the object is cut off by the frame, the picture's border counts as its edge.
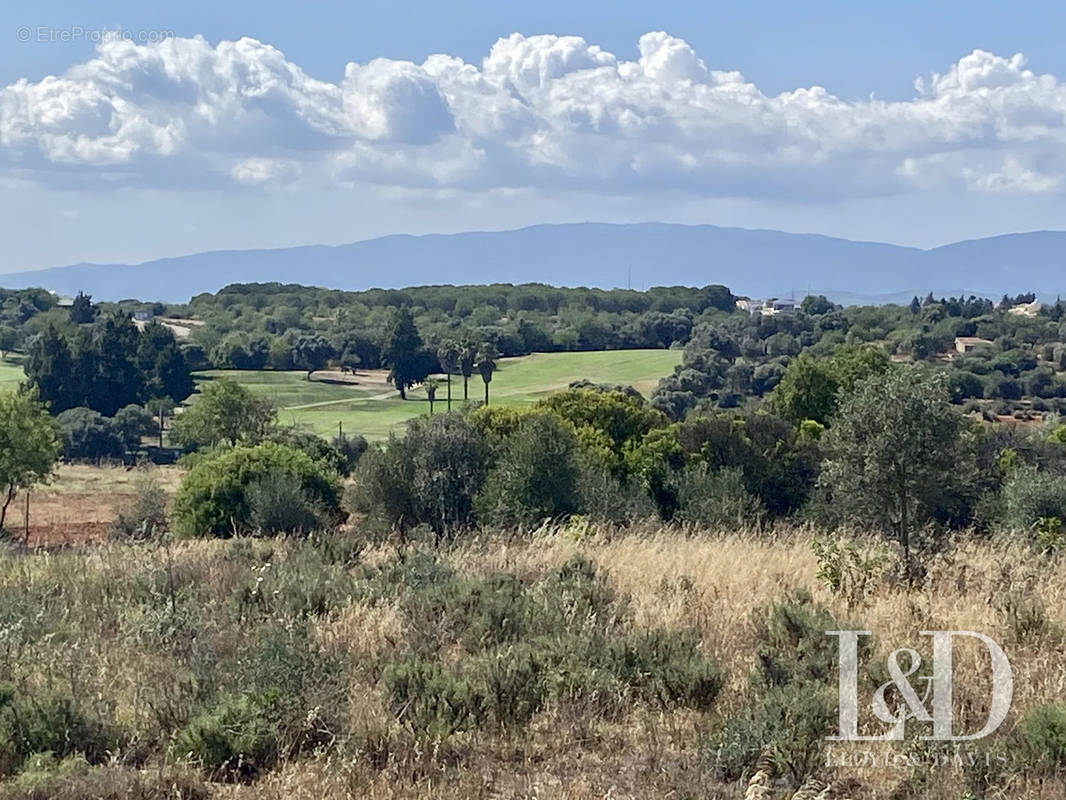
(463, 358)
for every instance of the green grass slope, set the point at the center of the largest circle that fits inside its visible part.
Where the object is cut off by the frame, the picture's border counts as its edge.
(373, 410)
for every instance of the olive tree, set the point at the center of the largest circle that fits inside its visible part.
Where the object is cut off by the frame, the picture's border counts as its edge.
(897, 452)
(29, 445)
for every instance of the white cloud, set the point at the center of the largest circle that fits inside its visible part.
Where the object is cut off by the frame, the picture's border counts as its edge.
(541, 112)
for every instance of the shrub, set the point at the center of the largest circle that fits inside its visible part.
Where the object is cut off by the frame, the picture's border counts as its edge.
(1032, 499)
(277, 505)
(605, 498)
(145, 516)
(1040, 740)
(351, 449)
(716, 498)
(564, 638)
(213, 497)
(235, 738)
(50, 722)
(788, 727)
(430, 476)
(797, 674)
(315, 446)
(536, 474)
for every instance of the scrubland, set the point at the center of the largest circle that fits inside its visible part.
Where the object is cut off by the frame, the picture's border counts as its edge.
(567, 662)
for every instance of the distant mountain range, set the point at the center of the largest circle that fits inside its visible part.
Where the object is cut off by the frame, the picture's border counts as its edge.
(758, 263)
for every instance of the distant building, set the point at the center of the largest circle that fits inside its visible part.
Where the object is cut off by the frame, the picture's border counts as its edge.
(64, 302)
(784, 306)
(142, 316)
(1026, 309)
(751, 306)
(767, 307)
(967, 344)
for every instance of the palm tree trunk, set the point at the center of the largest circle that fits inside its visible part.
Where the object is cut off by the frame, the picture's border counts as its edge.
(486, 392)
(449, 391)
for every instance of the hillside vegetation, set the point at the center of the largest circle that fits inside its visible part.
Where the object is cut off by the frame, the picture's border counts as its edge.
(637, 663)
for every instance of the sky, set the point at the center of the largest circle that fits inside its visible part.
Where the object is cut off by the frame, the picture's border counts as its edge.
(131, 131)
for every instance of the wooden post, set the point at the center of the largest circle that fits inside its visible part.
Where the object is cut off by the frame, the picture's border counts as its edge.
(26, 520)
(160, 426)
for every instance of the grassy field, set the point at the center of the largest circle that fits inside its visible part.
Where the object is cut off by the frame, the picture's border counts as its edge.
(11, 375)
(368, 406)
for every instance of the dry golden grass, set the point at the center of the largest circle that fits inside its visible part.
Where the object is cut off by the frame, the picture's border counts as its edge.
(713, 581)
(707, 581)
(80, 504)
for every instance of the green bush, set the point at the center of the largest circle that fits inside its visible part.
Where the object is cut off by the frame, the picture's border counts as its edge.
(278, 505)
(145, 516)
(795, 682)
(279, 699)
(564, 638)
(788, 726)
(1031, 498)
(49, 723)
(536, 475)
(236, 738)
(1039, 741)
(88, 435)
(430, 476)
(213, 499)
(716, 498)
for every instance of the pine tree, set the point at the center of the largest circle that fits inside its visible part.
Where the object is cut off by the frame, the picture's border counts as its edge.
(405, 354)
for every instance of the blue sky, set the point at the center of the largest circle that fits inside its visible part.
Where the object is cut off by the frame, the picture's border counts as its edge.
(141, 152)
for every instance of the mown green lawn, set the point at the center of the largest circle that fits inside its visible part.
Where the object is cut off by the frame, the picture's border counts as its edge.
(11, 375)
(373, 410)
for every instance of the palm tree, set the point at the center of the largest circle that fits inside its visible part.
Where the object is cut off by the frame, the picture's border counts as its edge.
(468, 354)
(448, 354)
(431, 385)
(486, 365)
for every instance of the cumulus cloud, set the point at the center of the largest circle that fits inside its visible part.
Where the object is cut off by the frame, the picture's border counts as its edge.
(540, 112)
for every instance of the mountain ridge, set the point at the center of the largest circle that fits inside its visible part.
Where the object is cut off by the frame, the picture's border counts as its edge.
(751, 261)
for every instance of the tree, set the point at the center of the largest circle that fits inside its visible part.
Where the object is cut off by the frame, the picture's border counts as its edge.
(132, 423)
(82, 310)
(916, 305)
(225, 413)
(431, 384)
(896, 452)
(89, 436)
(807, 390)
(311, 353)
(816, 305)
(29, 445)
(404, 353)
(118, 380)
(448, 355)
(170, 375)
(811, 387)
(486, 365)
(50, 370)
(467, 359)
(430, 476)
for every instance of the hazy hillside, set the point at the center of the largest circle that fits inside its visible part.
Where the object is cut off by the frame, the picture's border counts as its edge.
(756, 262)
